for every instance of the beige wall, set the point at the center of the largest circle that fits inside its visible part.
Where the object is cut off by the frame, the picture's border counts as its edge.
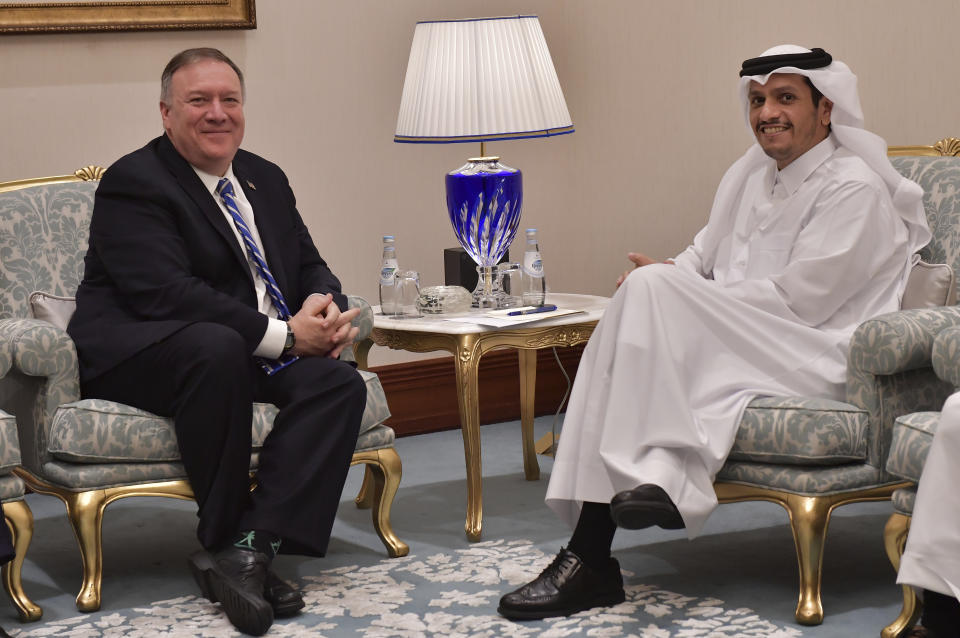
(650, 86)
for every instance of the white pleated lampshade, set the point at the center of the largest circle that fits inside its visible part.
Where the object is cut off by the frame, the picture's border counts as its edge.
(480, 80)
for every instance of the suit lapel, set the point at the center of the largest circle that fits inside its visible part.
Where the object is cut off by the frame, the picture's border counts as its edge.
(192, 185)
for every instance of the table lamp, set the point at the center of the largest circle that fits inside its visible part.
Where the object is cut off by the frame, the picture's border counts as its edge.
(480, 80)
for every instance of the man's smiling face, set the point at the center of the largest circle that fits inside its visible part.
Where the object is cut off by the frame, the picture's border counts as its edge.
(784, 118)
(204, 114)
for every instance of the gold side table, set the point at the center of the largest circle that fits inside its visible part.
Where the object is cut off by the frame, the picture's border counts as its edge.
(468, 342)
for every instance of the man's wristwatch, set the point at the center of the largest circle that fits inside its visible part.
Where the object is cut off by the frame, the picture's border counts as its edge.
(291, 340)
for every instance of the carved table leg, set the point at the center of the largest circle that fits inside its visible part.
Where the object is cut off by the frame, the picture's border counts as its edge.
(528, 386)
(466, 364)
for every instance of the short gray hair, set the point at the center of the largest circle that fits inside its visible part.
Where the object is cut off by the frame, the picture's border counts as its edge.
(192, 56)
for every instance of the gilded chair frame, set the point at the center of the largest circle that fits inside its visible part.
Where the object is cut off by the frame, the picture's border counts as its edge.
(894, 542)
(809, 515)
(948, 146)
(19, 519)
(85, 511)
(85, 508)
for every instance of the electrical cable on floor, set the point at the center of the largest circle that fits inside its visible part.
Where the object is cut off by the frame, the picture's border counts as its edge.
(563, 401)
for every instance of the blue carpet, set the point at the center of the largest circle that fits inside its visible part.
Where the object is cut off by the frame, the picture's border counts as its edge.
(444, 594)
(738, 580)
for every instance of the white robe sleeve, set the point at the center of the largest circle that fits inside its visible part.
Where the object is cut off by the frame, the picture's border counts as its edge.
(700, 255)
(691, 259)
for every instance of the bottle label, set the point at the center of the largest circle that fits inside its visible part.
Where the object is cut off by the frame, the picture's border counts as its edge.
(532, 264)
(386, 272)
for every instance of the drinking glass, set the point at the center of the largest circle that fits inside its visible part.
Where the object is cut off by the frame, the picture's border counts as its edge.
(510, 277)
(407, 285)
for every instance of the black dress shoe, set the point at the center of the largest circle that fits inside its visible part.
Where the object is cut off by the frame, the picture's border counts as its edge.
(236, 578)
(645, 506)
(565, 587)
(285, 600)
(282, 596)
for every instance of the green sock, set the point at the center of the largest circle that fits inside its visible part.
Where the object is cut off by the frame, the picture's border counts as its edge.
(258, 540)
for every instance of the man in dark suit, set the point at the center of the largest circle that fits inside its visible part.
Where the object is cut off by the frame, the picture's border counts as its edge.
(202, 293)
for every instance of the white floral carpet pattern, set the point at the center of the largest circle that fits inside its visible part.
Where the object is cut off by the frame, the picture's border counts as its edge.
(452, 595)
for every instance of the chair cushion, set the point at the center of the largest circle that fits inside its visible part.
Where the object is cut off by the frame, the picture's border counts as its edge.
(801, 431)
(929, 286)
(903, 500)
(99, 431)
(379, 436)
(910, 443)
(9, 443)
(12, 488)
(55, 309)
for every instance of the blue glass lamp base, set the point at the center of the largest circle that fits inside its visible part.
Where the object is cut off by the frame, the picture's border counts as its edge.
(484, 198)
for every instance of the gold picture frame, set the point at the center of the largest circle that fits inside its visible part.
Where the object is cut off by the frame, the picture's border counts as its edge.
(31, 16)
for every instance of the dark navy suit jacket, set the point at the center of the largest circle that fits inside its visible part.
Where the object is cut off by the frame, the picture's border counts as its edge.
(162, 256)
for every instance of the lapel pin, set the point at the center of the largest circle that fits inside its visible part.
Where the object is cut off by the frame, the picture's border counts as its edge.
(250, 184)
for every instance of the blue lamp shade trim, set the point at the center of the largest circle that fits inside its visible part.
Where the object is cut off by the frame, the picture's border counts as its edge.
(457, 139)
(477, 19)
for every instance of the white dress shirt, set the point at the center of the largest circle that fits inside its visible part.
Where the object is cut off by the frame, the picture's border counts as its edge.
(271, 346)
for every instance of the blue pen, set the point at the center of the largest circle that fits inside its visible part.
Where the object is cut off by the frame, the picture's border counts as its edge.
(532, 311)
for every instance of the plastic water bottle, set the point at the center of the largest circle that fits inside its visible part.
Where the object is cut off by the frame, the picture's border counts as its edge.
(388, 267)
(534, 283)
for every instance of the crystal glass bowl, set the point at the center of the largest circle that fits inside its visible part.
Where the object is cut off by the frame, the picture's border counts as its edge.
(436, 300)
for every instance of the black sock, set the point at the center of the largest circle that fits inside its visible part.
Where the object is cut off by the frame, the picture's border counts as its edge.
(258, 540)
(941, 614)
(593, 535)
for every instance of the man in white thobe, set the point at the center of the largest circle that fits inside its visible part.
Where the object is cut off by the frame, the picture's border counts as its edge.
(931, 560)
(811, 232)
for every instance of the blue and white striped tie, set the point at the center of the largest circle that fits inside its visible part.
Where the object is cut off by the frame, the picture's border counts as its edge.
(226, 193)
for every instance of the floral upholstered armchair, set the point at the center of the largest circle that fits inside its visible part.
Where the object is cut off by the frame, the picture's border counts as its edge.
(811, 455)
(912, 438)
(90, 453)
